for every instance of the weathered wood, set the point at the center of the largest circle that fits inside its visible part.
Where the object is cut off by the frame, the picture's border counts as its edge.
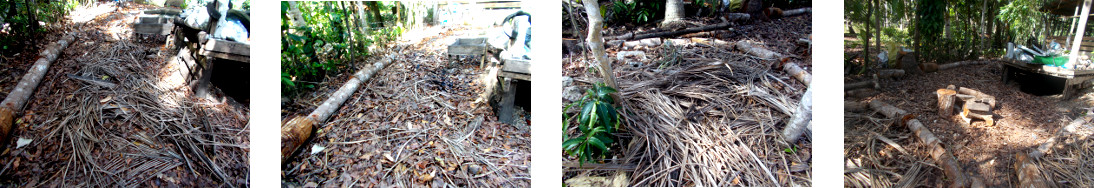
(909, 63)
(945, 102)
(293, 133)
(1029, 174)
(802, 118)
(849, 106)
(928, 67)
(945, 159)
(18, 97)
(978, 96)
(229, 47)
(517, 66)
(798, 73)
(978, 110)
(756, 50)
(890, 73)
(959, 64)
(860, 93)
(670, 34)
(863, 84)
(153, 28)
(795, 12)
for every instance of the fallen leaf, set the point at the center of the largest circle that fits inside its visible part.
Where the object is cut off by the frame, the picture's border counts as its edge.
(316, 148)
(387, 155)
(22, 142)
(106, 99)
(428, 177)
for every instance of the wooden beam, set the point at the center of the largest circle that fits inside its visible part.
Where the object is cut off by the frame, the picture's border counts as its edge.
(1073, 57)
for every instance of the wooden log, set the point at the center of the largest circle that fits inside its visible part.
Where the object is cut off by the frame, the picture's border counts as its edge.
(945, 159)
(959, 64)
(849, 106)
(861, 93)
(928, 67)
(1029, 174)
(945, 102)
(670, 34)
(978, 96)
(890, 73)
(757, 51)
(863, 84)
(795, 12)
(18, 97)
(295, 132)
(798, 73)
(801, 119)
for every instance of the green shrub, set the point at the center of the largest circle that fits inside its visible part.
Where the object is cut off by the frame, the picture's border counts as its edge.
(596, 121)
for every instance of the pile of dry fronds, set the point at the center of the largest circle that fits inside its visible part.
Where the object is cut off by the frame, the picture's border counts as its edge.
(1073, 164)
(702, 116)
(146, 127)
(880, 153)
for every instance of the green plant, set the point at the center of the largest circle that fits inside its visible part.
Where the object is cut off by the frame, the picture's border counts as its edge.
(596, 121)
(638, 12)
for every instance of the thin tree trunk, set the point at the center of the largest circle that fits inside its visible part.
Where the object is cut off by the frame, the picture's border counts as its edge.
(298, 18)
(596, 45)
(374, 8)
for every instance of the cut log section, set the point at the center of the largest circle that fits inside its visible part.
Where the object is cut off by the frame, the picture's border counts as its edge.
(944, 158)
(945, 102)
(978, 96)
(297, 131)
(978, 110)
(18, 97)
(798, 73)
(1029, 174)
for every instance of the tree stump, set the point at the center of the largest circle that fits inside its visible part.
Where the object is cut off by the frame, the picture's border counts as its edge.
(945, 102)
(910, 64)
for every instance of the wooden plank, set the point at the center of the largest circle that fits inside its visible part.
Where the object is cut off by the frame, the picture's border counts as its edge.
(513, 75)
(229, 47)
(227, 56)
(517, 66)
(152, 19)
(157, 29)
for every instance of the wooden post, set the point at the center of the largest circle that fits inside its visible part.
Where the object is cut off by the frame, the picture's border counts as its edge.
(18, 97)
(1073, 57)
(295, 132)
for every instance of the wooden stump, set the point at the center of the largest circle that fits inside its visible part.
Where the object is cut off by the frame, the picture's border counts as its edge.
(909, 64)
(293, 134)
(945, 102)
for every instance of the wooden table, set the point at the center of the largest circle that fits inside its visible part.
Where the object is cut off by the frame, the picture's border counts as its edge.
(1073, 78)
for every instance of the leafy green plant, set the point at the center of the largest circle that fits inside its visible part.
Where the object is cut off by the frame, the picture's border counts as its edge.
(596, 121)
(638, 12)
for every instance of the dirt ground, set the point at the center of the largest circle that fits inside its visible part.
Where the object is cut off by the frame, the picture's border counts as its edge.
(689, 84)
(149, 131)
(417, 122)
(1023, 121)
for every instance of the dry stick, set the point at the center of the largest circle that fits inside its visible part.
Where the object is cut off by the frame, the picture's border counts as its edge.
(18, 97)
(299, 129)
(944, 158)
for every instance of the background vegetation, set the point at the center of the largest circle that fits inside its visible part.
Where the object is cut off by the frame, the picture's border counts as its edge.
(337, 33)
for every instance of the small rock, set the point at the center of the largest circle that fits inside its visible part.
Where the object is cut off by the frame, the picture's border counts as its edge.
(634, 64)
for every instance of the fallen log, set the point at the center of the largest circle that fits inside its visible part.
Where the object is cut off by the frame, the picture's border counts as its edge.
(863, 84)
(959, 64)
(760, 52)
(795, 12)
(890, 73)
(299, 129)
(802, 118)
(19, 96)
(798, 73)
(944, 158)
(860, 93)
(671, 34)
(1029, 174)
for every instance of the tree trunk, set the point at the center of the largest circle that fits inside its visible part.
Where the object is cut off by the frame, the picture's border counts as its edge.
(297, 19)
(866, 41)
(299, 129)
(18, 97)
(878, 27)
(674, 13)
(374, 8)
(596, 45)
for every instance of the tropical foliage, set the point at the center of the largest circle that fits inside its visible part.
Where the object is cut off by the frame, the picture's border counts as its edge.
(595, 122)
